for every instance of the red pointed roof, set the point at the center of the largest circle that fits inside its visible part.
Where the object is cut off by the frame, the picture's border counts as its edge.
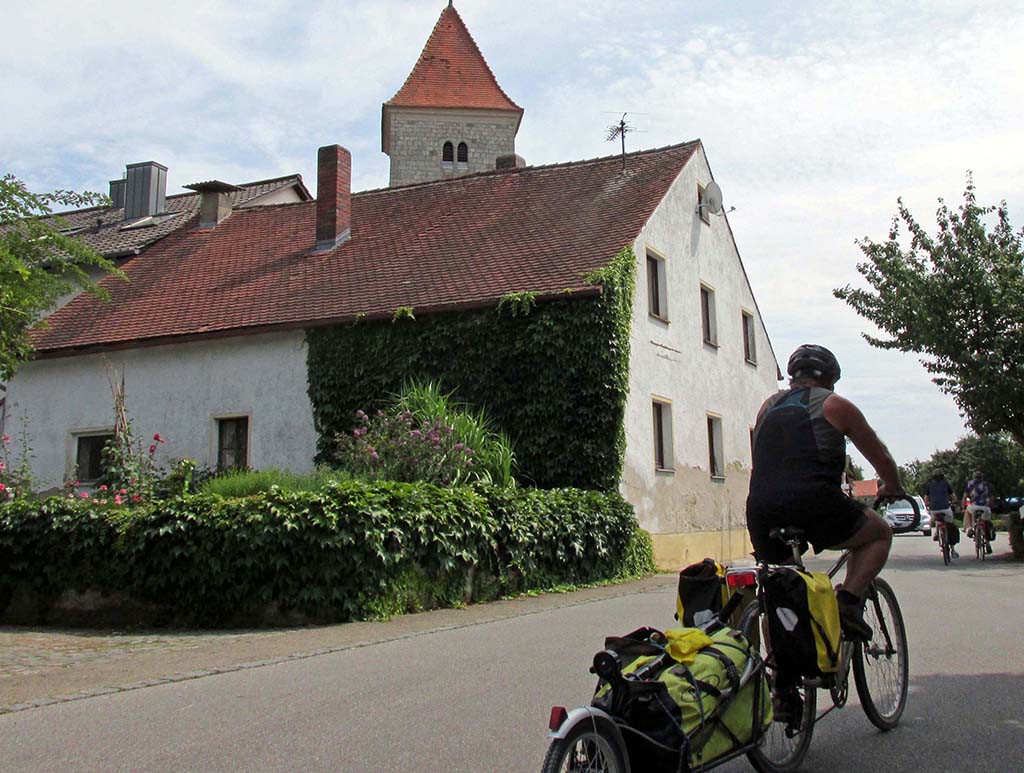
(451, 72)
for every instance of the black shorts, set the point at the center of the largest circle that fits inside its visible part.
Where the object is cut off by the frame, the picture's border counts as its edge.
(827, 515)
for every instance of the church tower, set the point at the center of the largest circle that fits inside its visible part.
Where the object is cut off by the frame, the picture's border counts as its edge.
(450, 118)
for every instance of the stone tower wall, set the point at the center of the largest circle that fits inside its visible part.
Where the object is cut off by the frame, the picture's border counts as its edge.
(418, 136)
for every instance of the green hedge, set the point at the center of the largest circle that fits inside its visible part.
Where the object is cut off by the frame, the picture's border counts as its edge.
(354, 550)
(552, 376)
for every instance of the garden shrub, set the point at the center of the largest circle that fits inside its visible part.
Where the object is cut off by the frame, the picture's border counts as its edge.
(245, 483)
(351, 550)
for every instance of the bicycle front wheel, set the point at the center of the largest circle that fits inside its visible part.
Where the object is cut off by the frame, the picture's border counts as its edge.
(780, 749)
(881, 668)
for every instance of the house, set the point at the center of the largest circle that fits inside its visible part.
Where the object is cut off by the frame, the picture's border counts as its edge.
(212, 333)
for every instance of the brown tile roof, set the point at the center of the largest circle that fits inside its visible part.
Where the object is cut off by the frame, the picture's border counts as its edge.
(102, 227)
(432, 246)
(865, 488)
(451, 72)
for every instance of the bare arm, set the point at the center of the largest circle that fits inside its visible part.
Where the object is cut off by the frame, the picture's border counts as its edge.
(847, 418)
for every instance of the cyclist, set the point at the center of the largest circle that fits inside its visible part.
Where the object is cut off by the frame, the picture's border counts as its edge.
(978, 499)
(937, 495)
(799, 458)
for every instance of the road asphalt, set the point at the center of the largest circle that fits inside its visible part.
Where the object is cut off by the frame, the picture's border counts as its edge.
(470, 689)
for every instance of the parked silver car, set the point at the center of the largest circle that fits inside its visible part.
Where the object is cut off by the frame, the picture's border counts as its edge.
(899, 514)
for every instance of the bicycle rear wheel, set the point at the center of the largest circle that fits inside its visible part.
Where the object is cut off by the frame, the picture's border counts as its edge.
(979, 543)
(944, 544)
(587, 749)
(778, 751)
(881, 668)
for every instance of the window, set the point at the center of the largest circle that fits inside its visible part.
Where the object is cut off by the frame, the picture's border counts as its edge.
(89, 456)
(716, 460)
(707, 315)
(662, 414)
(463, 153)
(233, 443)
(749, 340)
(702, 210)
(448, 153)
(657, 297)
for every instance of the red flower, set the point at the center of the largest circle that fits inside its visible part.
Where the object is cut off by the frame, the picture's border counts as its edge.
(103, 487)
(157, 438)
(3, 487)
(136, 498)
(152, 449)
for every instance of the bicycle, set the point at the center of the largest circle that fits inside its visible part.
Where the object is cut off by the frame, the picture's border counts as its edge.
(589, 740)
(880, 666)
(982, 546)
(943, 542)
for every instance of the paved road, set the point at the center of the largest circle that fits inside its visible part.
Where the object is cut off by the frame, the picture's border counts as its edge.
(476, 697)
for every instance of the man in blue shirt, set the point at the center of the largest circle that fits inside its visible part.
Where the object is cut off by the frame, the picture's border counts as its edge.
(937, 494)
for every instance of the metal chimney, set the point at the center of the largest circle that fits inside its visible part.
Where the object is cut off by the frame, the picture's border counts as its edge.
(117, 192)
(145, 190)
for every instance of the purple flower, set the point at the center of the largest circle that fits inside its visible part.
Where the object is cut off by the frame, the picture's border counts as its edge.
(469, 452)
(360, 414)
(373, 456)
(458, 446)
(416, 433)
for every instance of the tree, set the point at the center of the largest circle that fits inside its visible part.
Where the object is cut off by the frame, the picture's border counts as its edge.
(958, 299)
(38, 263)
(999, 457)
(853, 470)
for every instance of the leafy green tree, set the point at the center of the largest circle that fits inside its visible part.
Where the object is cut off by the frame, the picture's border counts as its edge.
(38, 263)
(998, 456)
(853, 470)
(958, 299)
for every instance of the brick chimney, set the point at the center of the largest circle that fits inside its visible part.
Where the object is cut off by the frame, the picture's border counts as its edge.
(333, 197)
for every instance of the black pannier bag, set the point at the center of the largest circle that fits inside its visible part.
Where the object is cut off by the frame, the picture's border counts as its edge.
(701, 593)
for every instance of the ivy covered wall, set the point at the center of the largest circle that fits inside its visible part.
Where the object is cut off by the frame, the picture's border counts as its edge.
(552, 375)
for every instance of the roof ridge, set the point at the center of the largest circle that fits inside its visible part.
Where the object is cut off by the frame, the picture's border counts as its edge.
(532, 168)
(294, 176)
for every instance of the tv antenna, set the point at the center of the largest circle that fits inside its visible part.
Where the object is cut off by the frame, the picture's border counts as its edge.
(619, 131)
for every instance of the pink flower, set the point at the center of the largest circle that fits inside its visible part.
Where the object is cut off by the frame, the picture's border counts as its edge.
(103, 501)
(2, 466)
(103, 487)
(374, 456)
(84, 495)
(3, 487)
(76, 483)
(157, 438)
(5, 439)
(136, 498)
(117, 499)
(122, 491)
(152, 449)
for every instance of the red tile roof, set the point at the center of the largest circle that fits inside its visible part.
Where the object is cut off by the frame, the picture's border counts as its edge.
(451, 72)
(433, 246)
(865, 488)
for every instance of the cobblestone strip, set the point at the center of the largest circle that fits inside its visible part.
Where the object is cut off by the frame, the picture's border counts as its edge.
(249, 665)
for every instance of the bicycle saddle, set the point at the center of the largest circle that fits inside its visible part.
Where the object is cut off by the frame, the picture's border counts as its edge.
(787, 533)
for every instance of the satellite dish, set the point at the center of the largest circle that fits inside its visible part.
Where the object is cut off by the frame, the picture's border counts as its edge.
(712, 199)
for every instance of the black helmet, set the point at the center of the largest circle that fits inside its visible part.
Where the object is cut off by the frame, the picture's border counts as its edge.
(815, 361)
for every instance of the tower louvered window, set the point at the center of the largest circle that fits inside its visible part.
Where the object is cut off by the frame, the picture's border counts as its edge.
(448, 153)
(463, 153)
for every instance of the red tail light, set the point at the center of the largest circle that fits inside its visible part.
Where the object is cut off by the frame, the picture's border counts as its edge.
(558, 716)
(745, 578)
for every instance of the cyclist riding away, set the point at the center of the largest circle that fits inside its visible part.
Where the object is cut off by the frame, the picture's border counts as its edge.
(978, 500)
(799, 458)
(937, 495)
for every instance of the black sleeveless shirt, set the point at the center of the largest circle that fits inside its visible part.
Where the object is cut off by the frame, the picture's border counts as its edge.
(796, 450)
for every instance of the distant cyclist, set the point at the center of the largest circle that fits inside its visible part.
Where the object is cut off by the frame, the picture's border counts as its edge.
(937, 497)
(978, 501)
(799, 458)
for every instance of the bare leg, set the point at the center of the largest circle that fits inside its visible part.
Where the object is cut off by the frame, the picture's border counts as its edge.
(968, 519)
(869, 549)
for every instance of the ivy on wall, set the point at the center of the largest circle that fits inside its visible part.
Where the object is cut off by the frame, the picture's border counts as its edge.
(553, 376)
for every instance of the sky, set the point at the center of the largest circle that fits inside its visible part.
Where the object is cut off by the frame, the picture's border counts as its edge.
(815, 116)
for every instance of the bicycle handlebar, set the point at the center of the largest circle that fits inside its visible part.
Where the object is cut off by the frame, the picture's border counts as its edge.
(912, 526)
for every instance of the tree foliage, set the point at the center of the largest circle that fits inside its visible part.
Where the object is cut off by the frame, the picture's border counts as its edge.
(958, 299)
(39, 262)
(997, 456)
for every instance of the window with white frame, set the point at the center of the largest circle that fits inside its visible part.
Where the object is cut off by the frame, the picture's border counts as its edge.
(662, 415)
(716, 459)
(705, 215)
(749, 339)
(709, 327)
(657, 294)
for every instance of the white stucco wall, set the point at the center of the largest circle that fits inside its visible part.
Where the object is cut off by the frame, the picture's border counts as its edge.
(669, 360)
(177, 391)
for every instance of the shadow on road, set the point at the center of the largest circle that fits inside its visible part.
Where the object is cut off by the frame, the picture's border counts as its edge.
(1000, 560)
(952, 722)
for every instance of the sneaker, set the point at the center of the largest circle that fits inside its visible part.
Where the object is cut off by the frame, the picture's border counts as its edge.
(988, 549)
(788, 708)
